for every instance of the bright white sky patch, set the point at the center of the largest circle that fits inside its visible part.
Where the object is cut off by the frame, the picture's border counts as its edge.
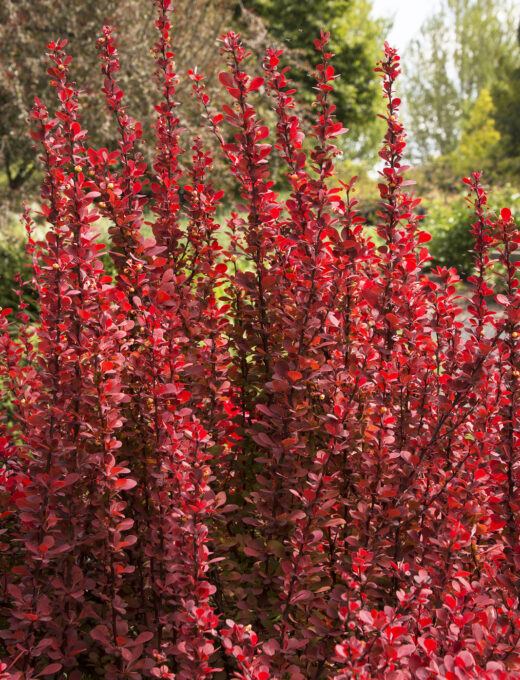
(408, 16)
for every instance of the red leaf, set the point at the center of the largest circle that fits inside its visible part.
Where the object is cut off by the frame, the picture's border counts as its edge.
(143, 637)
(263, 439)
(271, 647)
(125, 524)
(83, 314)
(450, 602)
(262, 133)
(342, 651)
(464, 659)
(100, 633)
(129, 540)
(256, 84)
(424, 237)
(302, 596)
(163, 296)
(51, 668)
(226, 79)
(429, 644)
(393, 320)
(125, 484)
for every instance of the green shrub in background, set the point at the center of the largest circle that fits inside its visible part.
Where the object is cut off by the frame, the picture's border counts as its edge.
(12, 262)
(449, 223)
(448, 219)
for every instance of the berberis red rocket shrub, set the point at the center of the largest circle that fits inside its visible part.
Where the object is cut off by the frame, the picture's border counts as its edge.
(284, 458)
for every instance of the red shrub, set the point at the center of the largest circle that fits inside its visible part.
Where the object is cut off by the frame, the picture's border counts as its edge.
(287, 458)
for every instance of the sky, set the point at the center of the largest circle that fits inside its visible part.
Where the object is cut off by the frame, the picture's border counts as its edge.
(409, 15)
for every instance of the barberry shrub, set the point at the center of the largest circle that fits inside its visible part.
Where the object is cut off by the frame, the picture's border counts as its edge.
(264, 449)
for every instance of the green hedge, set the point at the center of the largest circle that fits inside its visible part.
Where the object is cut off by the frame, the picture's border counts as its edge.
(449, 219)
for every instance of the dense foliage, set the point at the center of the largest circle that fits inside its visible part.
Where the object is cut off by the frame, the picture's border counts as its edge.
(282, 457)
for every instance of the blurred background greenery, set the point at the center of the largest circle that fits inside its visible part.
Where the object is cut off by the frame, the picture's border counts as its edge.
(460, 90)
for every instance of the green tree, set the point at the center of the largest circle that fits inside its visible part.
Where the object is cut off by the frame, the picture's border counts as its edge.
(27, 25)
(479, 141)
(462, 49)
(356, 41)
(506, 95)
